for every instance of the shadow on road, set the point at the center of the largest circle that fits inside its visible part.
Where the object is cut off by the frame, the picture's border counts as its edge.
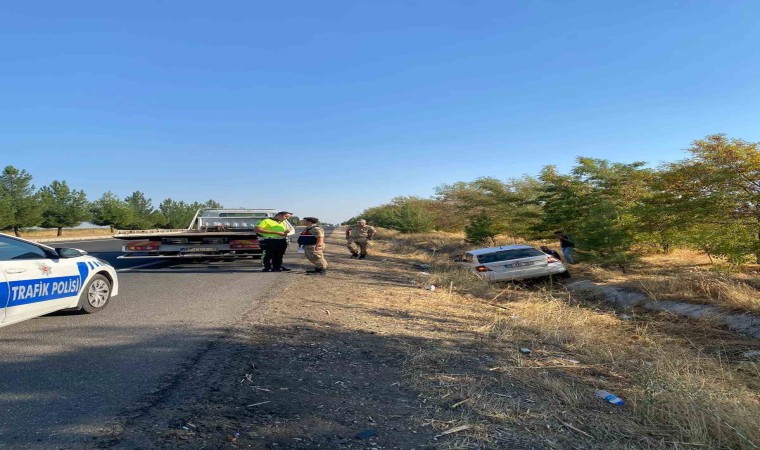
(314, 386)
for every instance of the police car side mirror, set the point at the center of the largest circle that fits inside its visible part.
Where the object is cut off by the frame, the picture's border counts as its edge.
(70, 252)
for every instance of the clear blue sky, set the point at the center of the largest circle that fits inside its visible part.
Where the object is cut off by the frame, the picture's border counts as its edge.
(325, 108)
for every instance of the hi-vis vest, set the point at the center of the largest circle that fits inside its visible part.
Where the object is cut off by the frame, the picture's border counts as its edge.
(272, 225)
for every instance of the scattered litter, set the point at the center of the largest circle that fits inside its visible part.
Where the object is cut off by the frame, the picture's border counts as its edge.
(430, 287)
(525, 351)
(422, 266)
(752, 354)
(258, 404)
(611, 398)
(453, 430)
(626, 317)
(424, 273)
(366, 434)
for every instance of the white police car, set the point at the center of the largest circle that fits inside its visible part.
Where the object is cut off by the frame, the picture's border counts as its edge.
(512, 262)
(36, 279)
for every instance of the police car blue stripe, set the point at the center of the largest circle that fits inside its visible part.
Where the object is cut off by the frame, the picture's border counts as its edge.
(25, 292)
(83, 272)
(3, 294)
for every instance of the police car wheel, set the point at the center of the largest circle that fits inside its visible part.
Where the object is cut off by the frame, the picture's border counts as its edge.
(96, 295)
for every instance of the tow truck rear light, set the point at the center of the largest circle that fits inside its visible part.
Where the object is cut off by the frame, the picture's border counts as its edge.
(142, 246)
(482, 269)
(244, 243)
(553, 260)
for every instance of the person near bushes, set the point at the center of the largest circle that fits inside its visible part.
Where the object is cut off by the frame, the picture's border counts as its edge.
(359, 235)
(550, 252)
(312, 239)
(566, 244)
(273, 234)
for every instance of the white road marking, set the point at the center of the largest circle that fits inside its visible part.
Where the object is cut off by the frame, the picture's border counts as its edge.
(127, 269)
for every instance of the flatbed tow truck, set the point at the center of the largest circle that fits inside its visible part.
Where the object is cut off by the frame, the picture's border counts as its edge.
(212, 234)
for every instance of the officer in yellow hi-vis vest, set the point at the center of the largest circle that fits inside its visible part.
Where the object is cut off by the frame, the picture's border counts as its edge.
(359, 234)
(273, 235)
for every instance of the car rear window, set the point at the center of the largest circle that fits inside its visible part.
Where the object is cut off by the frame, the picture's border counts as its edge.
(507, 255)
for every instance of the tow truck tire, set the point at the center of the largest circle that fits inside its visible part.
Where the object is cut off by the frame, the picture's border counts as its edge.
(96, 295)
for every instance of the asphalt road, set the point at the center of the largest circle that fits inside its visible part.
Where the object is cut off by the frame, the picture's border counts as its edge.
(67, 378)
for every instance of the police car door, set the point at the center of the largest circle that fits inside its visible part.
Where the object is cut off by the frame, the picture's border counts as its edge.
(3, 295)
(36, 284)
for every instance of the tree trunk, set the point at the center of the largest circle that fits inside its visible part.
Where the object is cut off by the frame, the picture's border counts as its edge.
(60, 231)
(15, 231)
(111, 226)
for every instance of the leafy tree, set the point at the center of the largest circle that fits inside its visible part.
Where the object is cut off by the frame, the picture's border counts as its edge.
(7, 213)
(143, 216)
(178, 214)
(480, 229)
(411, 215)
(405, 214)
(20, 198)
(112, 211)
(63, 206)
(595, 203)
(212, 204)
(511, 205)
(719, 188)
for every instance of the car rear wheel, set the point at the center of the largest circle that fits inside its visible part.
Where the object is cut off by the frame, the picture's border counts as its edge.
(96, 294)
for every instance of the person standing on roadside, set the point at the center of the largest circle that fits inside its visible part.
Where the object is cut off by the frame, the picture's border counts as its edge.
(359, 234)
(312, 239)
(566, 244)
(274, 234)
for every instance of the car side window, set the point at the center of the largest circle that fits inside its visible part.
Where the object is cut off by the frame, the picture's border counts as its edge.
(11, 250)
(507, 255)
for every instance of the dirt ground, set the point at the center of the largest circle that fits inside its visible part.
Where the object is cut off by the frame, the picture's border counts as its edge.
(367, 357)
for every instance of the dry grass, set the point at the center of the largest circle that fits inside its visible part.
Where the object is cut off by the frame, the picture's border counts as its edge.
(67, 232)
(702, 287)
(686, 383)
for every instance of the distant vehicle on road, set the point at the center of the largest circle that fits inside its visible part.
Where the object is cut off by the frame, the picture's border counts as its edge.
(36, 279)
(212, 234)
(512, 262)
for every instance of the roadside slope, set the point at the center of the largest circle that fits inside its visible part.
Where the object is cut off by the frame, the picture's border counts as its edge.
(366, 357)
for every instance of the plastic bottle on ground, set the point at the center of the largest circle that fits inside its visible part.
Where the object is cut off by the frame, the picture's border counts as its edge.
(611, 398)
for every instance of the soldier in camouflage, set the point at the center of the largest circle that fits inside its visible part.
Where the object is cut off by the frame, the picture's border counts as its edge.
(359, 235)
(312, 240)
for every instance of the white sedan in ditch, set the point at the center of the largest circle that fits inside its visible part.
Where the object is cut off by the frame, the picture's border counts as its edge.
(36, 279)
(513, 262)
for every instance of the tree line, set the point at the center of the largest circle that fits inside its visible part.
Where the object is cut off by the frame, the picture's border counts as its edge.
(709, 201)
(59, 206)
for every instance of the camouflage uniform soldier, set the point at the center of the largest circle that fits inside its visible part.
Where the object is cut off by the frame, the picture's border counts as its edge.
(359, 234)
(313, 233)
